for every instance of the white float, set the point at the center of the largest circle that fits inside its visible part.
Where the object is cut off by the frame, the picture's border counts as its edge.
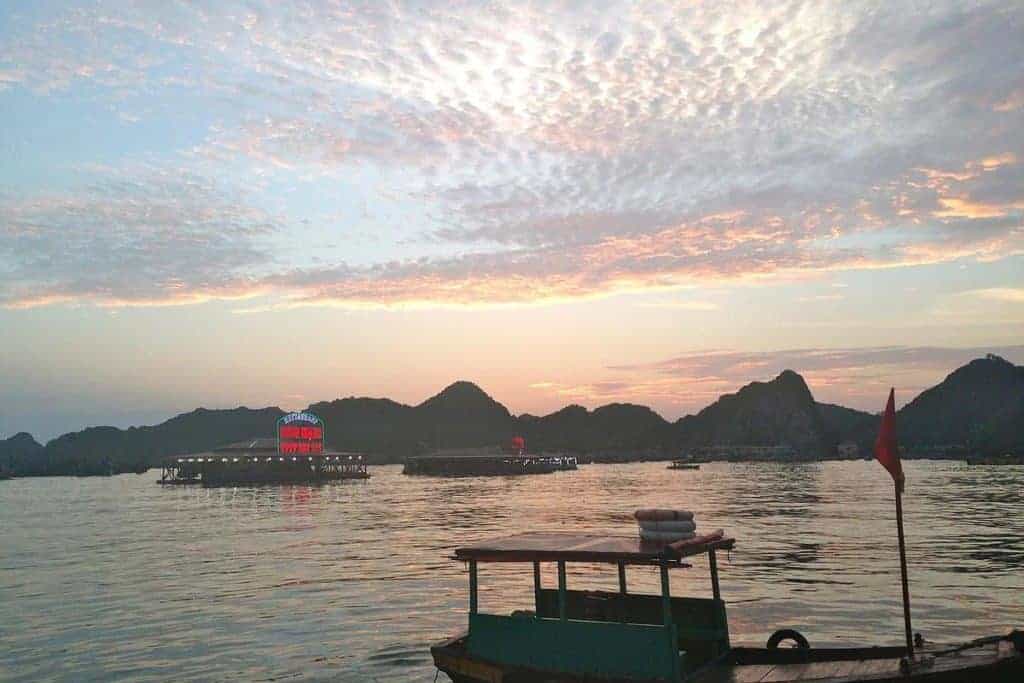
(675, 525)
(665, 536)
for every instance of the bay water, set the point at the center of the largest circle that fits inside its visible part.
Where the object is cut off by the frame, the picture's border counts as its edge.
(118, 578)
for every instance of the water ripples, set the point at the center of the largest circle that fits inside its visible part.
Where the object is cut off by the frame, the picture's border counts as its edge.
(116, 578)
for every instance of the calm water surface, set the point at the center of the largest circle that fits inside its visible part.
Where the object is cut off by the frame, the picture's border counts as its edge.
(120, 579)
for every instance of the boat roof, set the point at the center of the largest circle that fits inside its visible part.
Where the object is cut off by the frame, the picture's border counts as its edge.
(552, 546)
(255, 444)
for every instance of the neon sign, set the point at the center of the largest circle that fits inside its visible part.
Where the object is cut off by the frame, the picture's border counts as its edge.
(300, 434)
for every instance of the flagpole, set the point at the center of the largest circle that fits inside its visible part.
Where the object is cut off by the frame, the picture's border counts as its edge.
(903, 570)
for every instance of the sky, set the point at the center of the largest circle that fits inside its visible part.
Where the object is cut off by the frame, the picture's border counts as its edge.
(222, 204)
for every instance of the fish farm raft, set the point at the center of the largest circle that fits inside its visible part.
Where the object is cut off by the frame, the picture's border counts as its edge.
(296, 456)
(487, 461)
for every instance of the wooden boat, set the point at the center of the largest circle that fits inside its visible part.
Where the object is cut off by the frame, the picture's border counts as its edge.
(585, 635)
(684, 465)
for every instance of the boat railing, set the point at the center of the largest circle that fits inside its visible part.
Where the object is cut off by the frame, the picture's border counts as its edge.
(702, 629)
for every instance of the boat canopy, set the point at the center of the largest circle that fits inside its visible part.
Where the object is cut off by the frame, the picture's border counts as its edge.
(570, 547)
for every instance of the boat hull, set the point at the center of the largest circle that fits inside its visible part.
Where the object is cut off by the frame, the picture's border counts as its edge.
(992, 660)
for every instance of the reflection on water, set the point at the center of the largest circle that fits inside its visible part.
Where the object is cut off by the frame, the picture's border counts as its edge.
(113, 578)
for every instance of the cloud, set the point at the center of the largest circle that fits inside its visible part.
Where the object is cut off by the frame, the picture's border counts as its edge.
(682, 305)
(766, 364)
(1005, 294)
(155, 240)
(556, 151)
(855, 377)
(671, 258)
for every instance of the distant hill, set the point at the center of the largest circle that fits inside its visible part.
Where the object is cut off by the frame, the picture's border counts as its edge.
(846, 424)
(377, 425)
(614, 427)
(461, 415)
(17, 450)
(781, 412)
(98, 450)
(979, 407)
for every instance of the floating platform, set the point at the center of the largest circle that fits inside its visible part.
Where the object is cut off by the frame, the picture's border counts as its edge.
(259, 462)
(485, 463)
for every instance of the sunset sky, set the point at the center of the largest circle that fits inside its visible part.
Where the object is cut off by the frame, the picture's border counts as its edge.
(265, 203)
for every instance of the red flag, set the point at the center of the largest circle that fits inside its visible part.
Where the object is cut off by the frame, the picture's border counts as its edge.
(886, 450)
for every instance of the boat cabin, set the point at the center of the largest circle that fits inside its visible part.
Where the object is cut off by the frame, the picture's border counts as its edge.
(610, 635)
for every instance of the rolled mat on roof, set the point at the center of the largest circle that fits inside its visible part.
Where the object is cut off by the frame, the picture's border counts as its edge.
(658, 515)
(716, 535)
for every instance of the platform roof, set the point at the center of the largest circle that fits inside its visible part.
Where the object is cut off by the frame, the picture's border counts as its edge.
(572, 547)
(221, 455)
(257, 444)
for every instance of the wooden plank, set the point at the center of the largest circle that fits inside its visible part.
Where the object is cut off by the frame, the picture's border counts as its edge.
(840, 669)
(876, 668)
(736, 673)
(850, 670)
(794, 672)
(826, 670)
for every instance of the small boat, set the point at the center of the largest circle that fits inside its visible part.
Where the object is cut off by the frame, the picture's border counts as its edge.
(684, 465)
(1004, 459)
(619, 637)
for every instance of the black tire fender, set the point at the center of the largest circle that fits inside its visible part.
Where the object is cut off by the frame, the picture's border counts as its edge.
(787, 634)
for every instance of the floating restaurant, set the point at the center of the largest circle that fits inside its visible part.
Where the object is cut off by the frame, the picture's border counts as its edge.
(295, 456)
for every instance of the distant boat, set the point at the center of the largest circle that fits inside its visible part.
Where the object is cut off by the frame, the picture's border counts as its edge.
(684, 465)
(1005, 459)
